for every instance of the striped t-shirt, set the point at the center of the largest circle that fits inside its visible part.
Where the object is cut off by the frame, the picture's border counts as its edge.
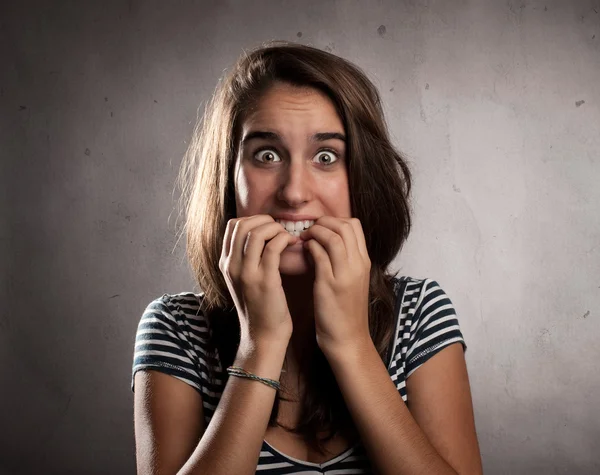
(172, 337)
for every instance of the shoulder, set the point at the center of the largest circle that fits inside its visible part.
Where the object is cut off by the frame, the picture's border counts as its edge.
(427, 321)
(182, 308)
(187, 304)
(173, 336)
(173, 324)
(420, 294)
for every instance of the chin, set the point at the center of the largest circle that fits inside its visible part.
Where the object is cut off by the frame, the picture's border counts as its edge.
(294, 263)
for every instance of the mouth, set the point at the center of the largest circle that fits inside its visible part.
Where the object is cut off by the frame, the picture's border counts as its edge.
(295, 227)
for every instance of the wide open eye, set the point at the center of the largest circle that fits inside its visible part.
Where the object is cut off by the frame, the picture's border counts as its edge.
(270, 156)
(324, 152)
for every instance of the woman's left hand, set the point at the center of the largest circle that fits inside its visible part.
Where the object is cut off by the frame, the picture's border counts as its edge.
(341, 289)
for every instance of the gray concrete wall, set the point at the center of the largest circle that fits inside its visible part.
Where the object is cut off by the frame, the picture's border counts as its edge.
(496, 103)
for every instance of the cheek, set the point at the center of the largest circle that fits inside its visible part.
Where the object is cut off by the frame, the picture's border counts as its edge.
(241, 199)
(336, 195)
(245, 188)
(251, 191)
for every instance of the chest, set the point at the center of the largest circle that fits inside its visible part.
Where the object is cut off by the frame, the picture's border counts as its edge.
(294, 446)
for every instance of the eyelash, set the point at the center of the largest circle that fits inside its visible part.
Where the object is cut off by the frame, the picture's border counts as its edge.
(260, 149)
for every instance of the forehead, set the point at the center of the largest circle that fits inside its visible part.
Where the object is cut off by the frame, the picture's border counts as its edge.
(286, 102)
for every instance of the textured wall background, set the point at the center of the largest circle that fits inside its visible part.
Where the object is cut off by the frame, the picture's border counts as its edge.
(497, 105)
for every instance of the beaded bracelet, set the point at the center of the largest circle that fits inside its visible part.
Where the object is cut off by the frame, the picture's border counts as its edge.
(242, 373)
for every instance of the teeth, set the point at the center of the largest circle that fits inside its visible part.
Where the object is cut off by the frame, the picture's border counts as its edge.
(295, 227)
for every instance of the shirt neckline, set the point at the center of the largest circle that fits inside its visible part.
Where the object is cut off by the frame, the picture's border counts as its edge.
(337, 458)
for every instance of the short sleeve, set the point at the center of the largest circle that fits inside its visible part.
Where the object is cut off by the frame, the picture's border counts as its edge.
(163, 343)
(434, 326)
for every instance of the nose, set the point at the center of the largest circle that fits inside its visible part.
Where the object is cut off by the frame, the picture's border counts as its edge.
(296, 183)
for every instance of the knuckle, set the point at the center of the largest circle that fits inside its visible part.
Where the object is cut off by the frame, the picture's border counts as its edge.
(250, 237)
(269, 251)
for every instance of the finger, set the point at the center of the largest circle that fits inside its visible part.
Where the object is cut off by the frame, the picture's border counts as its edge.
(321, 260)
(257, 240)
(332, 244)
(344, 227)
(342, 249)
(240, 232)
(271, 256)
(226, 249)
(360, 238)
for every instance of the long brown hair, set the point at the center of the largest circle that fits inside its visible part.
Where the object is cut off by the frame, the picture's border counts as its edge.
(379, 183)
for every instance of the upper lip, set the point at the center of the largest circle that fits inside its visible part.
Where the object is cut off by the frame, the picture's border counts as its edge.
(294, 217)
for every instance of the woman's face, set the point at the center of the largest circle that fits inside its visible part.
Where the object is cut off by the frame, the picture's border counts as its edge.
(292, 174)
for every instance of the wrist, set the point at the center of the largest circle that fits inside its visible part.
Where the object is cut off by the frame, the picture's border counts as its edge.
(252, 338)
(261, 347)
(263, 358)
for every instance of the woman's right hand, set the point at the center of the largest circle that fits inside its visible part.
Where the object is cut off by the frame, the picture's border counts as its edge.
(251, 271)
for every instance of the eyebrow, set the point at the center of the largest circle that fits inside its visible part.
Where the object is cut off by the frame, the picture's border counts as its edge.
(318, 137)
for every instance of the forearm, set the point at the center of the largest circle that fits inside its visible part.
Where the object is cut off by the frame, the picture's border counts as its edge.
(233, 439)
(396, 445)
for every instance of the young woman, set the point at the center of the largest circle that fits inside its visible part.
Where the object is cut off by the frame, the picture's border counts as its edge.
(301, 354)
